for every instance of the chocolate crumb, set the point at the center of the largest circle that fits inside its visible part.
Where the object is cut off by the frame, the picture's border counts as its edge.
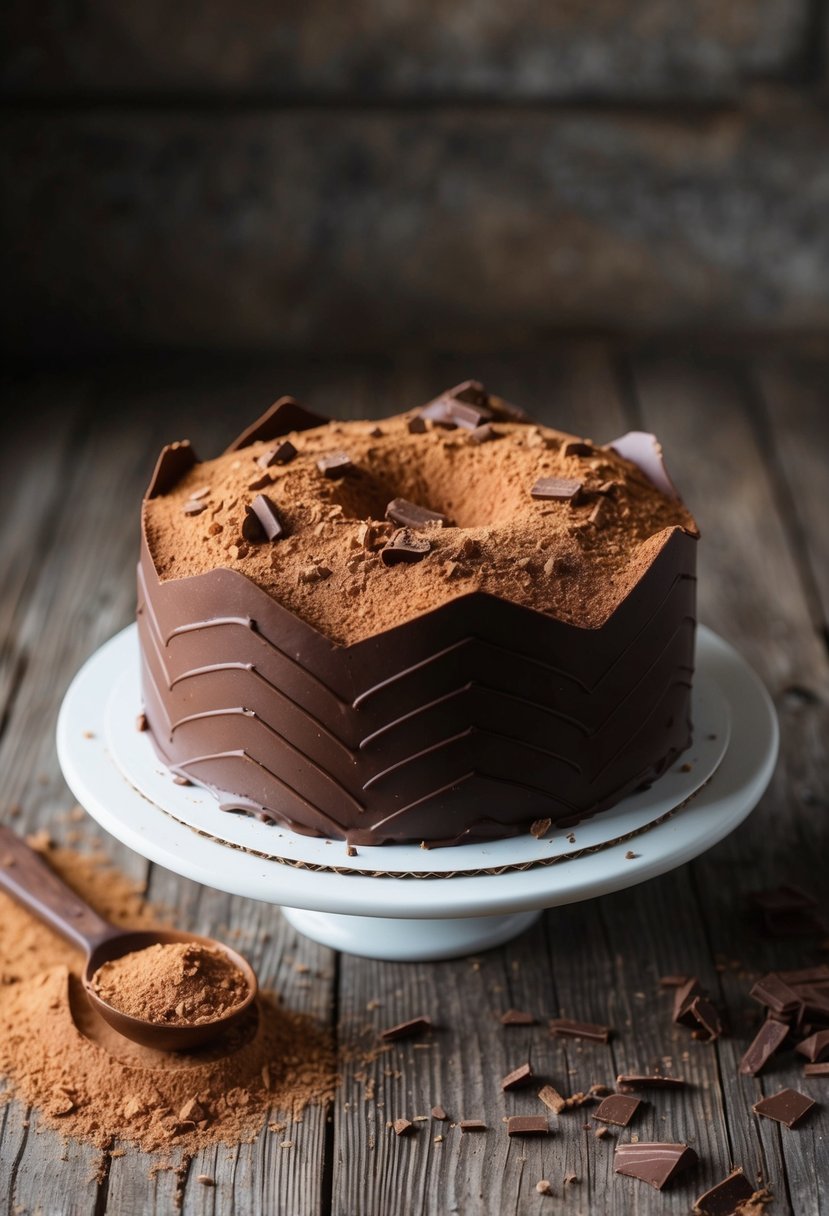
(439, 1113)
(404, 546)
(141, 722)
(540, 827)
(402, 1127)
(517, 1017)
(543, 1187)
(205, 1180)
(350, 851)
(630, 855)
(417, 426)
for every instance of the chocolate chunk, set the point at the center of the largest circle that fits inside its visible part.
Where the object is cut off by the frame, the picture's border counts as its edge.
(722, 1199)
(577, 447)
(262, 521)
(259, 483)
(618, 1109)
(815, 1002)
(816, 1070)
(463, 406)
(410, 515)
(519, 1076)
(544, 1186)
(417, 426)
(707, 1016)
(788, 1107)
(540, 827)
(193, 507)
(439, 1113)
(635, 1080)
(335, 465)
(516, 1017)
(472, 1125)
(552, 1099)
(766, 1042)
(376, 432)
(656, 1164)
(684, 999)
(402, 1127)
(816, 1047)
(776, 995)
(141, 722)
(404, 546)
(284, 453)
(580, 1030)
(483, 434)
(527, 1125)
(556, 488)
(406, 1030)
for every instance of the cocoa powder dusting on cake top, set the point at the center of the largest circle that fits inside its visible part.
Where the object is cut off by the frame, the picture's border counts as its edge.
(572, 558)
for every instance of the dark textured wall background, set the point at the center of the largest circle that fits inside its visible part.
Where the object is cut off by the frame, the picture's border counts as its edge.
(376, 173)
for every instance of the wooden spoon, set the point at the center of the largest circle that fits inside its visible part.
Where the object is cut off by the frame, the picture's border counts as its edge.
(28, 879)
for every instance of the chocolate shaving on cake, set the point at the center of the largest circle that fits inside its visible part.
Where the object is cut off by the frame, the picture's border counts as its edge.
(404, 546)
(550, 488)
(334, 465)
(411, 515)
(283, 453)
(262, 521)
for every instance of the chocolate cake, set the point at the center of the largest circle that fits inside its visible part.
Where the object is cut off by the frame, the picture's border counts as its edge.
(441, 627)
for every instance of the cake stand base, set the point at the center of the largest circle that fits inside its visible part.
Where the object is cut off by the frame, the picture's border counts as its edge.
(408, 941)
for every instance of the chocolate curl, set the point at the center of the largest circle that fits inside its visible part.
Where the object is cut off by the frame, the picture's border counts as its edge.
(645, 451)
(279, 419)
(175, 460)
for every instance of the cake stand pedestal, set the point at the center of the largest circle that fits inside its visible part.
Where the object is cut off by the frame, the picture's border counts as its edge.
(399, 901)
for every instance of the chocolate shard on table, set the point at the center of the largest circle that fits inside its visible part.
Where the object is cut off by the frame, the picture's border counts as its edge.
(816, 1047)
(724, 1198)
(657, 1164)
(571, 1028)
(283, 453)
(684, 998)
(335, 465)
(472, 1125)
(527, 1125)
(561, 488)
(517, 1017)
(407, 1030)
(402, 1127)
(519, 1076)
(775, 994)
(769, 1038)
(618, 1109)
(262, 521)
(707, 1016)
(787, 1107)
(636, 1080)
(439, 1113)
(816, 1070)
(404, 546)
(411, 515)
(552, 1099)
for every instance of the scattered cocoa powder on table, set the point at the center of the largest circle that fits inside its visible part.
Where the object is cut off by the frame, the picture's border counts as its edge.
(88, 1082)
(174, 983)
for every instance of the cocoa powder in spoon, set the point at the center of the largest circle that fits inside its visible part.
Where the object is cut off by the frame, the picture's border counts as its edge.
(175, 983)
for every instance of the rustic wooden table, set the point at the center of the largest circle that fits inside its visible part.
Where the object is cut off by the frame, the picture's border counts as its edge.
(748, 441)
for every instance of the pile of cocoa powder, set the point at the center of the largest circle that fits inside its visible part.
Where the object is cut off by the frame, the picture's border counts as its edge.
(88, 1082)
(174, 983)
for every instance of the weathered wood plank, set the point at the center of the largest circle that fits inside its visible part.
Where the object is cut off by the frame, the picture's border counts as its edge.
(750, 591)
(645, 48)
(453, 230)
(796, 395)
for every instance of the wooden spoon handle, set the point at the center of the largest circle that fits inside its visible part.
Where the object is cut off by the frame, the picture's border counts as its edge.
(27, 878)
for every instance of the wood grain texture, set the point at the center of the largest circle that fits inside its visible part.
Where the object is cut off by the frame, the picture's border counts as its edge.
(446, 229)
(67, 504)
(367, 49)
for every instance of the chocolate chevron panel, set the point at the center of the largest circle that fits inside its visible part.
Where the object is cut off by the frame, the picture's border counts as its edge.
(469, 722)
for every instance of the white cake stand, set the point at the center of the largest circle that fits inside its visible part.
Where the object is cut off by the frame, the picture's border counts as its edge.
(400, 901)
